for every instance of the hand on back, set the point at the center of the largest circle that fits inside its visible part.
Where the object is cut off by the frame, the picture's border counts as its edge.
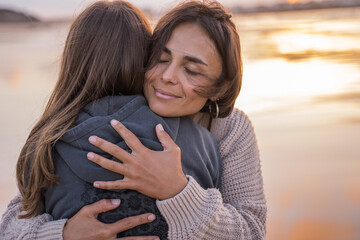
(84, 224)
(157, 174)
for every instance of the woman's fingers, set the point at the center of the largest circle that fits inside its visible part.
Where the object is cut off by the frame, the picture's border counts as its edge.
(110, 148)
(112, 166)
(157, 174)
(115, 185)
(101, 206)
(85, 225)
(130, 139)
(164, 137)
(131, 222)
(106, 163)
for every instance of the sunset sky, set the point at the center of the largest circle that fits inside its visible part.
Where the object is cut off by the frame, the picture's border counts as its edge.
(66, 8)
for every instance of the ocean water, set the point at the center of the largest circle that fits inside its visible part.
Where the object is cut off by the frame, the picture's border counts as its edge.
(301, 89)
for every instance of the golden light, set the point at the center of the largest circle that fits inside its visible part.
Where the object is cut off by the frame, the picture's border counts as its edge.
(292, 1)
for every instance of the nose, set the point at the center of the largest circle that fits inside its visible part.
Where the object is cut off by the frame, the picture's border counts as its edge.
(169, 74)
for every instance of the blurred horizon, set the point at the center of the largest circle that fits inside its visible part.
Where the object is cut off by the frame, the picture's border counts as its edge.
(65, 9)
(301, 89)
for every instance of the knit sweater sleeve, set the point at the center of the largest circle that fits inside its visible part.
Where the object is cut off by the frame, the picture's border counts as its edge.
(40, 227)
(235, 211)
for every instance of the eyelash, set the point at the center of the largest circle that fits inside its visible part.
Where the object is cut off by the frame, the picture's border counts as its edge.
(186, 69)
(191, 72)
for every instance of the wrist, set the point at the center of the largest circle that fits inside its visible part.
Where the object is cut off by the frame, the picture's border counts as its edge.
(191, 207)
(177, 188)
(182, 184)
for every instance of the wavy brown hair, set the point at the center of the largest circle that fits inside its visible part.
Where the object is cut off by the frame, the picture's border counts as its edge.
(214, 18)
(105, 53)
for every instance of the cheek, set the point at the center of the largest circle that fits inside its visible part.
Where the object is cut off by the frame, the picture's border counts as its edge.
(153, 73)
(149, 75)
(195, 100)
(201, 102)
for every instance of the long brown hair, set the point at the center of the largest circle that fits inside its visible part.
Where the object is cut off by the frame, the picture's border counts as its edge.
(106, 52)
(214, 18)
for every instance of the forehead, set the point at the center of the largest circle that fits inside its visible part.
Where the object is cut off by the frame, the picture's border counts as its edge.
(190, 39)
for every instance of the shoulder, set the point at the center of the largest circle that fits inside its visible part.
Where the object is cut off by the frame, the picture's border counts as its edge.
(236, 124)
(99, 112)
(234, 134)
(111, 104)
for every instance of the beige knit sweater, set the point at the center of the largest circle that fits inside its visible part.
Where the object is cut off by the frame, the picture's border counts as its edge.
(235, 211)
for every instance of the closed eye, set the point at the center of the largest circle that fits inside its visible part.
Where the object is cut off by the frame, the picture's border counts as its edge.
(191, 72)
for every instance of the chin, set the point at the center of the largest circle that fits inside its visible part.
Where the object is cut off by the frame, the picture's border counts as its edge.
(159, 110)
(165, 114)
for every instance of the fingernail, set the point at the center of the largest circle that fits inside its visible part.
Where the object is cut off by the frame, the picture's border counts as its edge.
(160, 127)
(151, 217)
(92, 139)
(114, 122)
(115, 201)
(96, 184)
(90, 155)
(156, 238)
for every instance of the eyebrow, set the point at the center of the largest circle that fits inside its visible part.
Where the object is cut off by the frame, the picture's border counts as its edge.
(188, 58)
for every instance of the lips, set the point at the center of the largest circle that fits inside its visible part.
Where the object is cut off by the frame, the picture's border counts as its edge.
(160, 93)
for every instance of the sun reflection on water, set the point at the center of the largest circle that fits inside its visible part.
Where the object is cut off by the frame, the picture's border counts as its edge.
(297, 42)
(301, 85)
